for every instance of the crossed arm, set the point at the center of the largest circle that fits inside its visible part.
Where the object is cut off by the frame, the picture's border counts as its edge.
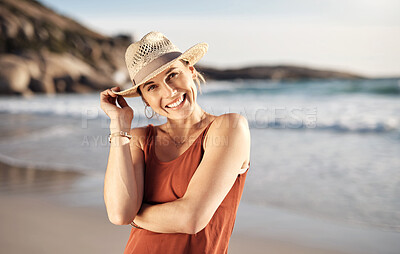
(209, 185)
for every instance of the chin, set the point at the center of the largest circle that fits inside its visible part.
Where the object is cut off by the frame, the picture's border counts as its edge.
(183, 114)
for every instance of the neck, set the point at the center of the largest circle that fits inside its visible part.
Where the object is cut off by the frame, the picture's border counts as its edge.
(183, 126)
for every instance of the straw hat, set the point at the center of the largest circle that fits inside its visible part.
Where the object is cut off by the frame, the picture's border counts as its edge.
(153, 54)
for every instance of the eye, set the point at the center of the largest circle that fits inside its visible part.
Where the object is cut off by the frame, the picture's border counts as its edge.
(151, 87)
(173, 75)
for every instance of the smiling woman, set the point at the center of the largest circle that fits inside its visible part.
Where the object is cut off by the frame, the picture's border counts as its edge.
(178, 184)
(172, 74)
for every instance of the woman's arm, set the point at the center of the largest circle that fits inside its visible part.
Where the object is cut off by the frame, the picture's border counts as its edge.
(124, 178)
(227, 147)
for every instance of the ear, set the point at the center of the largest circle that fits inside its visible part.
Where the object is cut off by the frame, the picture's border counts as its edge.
(193, 71)
(145, 102)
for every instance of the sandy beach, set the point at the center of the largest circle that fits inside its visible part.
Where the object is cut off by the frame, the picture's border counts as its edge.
(35, 219)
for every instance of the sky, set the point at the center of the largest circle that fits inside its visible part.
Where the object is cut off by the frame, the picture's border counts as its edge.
(358, 36)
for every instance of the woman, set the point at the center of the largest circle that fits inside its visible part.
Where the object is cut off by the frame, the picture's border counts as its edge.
(178, 184)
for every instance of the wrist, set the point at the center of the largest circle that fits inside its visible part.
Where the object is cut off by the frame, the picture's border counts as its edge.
(119, 141)
(119, 138)
(117, 127)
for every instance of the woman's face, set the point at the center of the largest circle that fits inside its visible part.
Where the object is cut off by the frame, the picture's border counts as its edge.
(173, 92)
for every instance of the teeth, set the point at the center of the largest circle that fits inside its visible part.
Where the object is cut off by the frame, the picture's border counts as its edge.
(176, 103)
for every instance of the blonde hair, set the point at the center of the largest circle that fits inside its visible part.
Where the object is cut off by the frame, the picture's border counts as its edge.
(199, 77)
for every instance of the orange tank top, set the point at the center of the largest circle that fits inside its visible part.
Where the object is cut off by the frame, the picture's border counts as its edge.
(168, 181)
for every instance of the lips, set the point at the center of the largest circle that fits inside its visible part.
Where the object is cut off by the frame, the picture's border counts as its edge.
(177, 102)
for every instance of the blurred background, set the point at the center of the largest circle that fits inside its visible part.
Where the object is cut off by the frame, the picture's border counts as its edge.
(318, 81)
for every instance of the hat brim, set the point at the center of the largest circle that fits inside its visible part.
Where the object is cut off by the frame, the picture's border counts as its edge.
(193, 55)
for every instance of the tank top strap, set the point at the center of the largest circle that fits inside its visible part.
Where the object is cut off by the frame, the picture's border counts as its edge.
(205, 131)
(149, 138)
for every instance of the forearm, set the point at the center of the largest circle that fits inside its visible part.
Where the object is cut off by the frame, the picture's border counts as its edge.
(170, 217)
(122, 193)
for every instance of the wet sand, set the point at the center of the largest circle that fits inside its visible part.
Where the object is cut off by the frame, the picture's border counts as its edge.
(36, 217)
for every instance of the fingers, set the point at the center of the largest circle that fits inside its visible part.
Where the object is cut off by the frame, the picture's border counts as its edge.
(108, 92)
(121, 101)
(115, 89)
(109, 95)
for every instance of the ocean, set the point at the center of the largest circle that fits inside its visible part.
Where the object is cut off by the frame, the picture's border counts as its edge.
(328, 150)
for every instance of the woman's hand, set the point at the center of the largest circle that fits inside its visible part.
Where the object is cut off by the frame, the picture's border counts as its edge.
(121, 117)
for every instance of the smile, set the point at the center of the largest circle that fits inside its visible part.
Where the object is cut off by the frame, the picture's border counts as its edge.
(178, 103)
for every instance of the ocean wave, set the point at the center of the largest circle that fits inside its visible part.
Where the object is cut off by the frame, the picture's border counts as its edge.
(70, 105)
(380, 87)
(298, 107)
(380, 126)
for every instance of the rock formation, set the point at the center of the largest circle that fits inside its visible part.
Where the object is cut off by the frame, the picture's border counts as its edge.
(42, 51)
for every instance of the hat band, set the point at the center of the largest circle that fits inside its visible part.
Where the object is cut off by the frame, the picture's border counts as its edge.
(154, 65)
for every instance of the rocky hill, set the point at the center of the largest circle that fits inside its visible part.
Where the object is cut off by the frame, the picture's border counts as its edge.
(42, 51)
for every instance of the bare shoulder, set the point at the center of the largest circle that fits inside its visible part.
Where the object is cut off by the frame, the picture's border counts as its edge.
(138, 136)
(231, 133)
(227, 126)
(227, 123)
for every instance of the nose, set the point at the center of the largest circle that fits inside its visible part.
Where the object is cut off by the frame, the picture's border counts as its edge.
(169, 90)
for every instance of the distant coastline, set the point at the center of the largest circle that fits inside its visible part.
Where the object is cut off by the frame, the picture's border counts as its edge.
(275, 72)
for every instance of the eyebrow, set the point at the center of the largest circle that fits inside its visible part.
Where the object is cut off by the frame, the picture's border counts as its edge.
(151, 82)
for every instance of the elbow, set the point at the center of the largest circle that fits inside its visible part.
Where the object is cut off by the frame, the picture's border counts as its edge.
(195, 228)
(193, 218)
(120, 220)
(121, 216)
(195, 224)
